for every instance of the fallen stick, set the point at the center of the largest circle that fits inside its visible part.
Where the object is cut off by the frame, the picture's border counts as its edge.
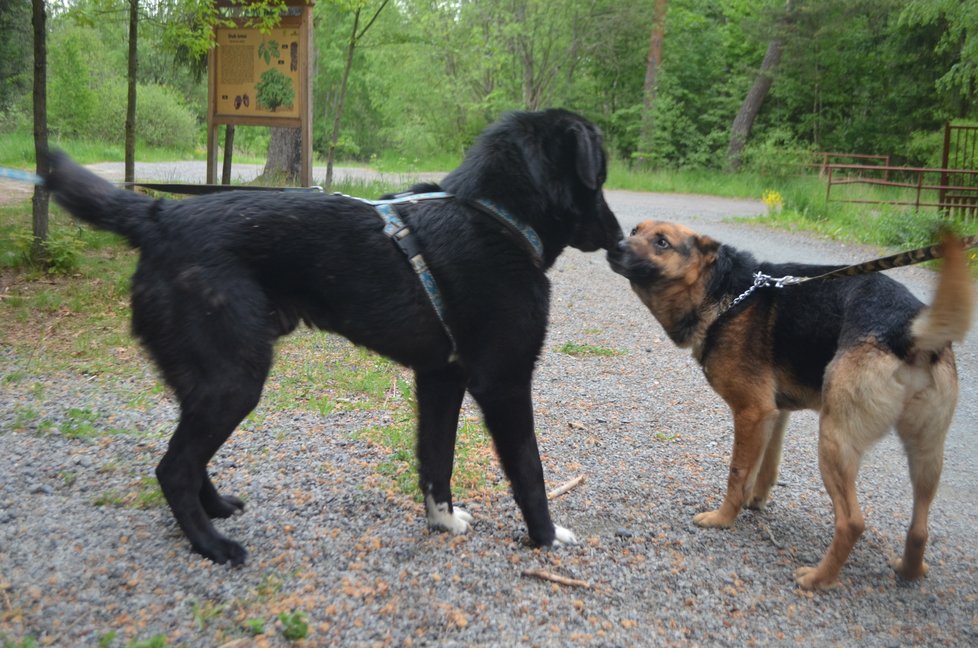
(563, 488)
(554, 578)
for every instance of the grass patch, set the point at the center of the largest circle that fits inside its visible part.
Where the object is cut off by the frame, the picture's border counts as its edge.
(17, 150)
(621, 175)
(581, 350)
(144, 493)
(476, 467)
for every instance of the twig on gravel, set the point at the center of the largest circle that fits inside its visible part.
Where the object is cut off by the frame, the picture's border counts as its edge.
(770, 536)
(566, 486)
(554, 578)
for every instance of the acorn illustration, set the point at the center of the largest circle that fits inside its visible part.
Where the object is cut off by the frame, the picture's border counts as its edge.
(247, 100)
(237, 102)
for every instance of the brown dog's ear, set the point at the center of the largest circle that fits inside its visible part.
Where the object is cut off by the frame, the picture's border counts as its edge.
(708, 248)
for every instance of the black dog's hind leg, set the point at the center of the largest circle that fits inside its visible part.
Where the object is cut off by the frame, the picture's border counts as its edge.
(439, 395)
(508, 411)
(208, 417)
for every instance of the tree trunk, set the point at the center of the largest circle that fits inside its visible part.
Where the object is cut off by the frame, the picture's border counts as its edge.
(39, 204)
(652, 64)
(334, 135)
(744, 121)
(284, 155)
(131, 99)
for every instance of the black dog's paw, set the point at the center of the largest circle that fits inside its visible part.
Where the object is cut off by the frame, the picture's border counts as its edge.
(224, 506)
(223, 550)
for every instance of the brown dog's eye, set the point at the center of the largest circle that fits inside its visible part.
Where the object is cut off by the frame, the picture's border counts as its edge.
(662, 243)
(634, 231)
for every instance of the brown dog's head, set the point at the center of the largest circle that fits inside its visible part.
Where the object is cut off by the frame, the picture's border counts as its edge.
(668, 266)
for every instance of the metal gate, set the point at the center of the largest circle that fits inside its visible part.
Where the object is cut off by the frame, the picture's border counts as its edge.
(959, 191)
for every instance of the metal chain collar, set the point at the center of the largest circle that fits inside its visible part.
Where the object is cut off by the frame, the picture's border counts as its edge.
(762, 280)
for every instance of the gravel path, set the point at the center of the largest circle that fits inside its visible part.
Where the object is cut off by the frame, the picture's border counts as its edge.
(643, 427)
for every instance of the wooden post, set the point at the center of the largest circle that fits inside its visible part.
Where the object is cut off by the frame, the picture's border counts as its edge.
(228, 153)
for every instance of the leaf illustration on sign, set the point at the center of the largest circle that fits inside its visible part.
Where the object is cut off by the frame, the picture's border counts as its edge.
(268, 50)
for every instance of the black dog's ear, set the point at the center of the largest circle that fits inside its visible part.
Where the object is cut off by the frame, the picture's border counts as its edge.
(590, 156)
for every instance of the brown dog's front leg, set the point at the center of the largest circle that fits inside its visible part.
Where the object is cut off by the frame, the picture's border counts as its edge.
(752, 431)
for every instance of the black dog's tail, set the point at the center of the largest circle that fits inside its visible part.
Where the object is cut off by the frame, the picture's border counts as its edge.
(96, 200)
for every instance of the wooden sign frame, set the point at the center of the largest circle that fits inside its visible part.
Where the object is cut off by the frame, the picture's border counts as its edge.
(245, 63)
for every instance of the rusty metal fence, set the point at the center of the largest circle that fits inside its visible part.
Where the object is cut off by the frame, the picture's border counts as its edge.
(951, 189)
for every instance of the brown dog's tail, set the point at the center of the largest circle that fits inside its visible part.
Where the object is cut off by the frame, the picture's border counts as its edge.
(96, 200)
(948, 318)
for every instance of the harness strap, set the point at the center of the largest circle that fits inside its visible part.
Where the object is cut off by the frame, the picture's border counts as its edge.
(407, 243)
(402, 236)
(525, 235)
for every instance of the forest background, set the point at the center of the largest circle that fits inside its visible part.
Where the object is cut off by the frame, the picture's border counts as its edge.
(858, 76)
(686, 91)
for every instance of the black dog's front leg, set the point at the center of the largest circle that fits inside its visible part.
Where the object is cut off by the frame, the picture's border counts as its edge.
(439, 395)
(509, 416)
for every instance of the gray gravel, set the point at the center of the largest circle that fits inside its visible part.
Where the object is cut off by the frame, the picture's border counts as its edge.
(643, 427)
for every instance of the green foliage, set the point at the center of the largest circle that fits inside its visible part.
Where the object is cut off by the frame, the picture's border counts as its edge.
(958, 23)
(26, 642)
(254, 627)
(294, 625)
(156, 641)
(578, 349)
(777, 154)
(205, 612)
(64, 249)
(72, 99)
(16, 43)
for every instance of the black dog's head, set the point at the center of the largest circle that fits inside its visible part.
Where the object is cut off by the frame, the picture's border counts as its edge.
(548, 169)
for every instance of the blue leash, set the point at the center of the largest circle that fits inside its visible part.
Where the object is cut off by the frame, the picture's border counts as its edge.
(21, 176)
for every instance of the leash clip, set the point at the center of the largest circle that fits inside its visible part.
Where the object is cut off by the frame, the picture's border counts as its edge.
(786, 280)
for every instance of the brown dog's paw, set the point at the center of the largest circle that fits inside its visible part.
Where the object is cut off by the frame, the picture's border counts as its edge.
(757, 503)
(809, 578)
(713, 520)
(906, 573)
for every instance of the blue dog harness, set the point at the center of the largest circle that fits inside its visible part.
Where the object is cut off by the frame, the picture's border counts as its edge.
(407, 242)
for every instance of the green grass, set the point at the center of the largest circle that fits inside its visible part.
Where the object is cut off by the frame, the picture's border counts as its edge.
(632, 178)
(475, 461)
(580, 350)
(143, 493)
(17, 151)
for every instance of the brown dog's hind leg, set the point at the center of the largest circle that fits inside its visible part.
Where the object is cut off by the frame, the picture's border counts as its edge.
(768, 474)
(861, 402)
(923, 428)
(839, 464)
(752, 431)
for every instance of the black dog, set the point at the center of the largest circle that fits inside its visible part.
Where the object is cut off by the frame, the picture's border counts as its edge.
(222, 276)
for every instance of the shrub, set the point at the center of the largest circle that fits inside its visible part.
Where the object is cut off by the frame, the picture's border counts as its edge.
(161, 117)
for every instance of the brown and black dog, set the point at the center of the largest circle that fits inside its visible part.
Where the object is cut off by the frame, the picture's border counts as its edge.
(861, 350)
